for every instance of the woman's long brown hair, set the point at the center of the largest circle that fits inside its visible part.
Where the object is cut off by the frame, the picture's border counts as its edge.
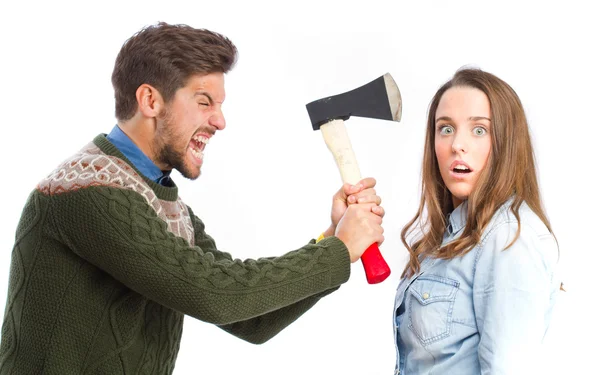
(510, 172)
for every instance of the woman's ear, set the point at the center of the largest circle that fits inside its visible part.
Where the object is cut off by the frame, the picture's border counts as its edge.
(150, 101)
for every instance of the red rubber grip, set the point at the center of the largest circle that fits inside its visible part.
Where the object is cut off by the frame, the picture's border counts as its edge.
(376, 269)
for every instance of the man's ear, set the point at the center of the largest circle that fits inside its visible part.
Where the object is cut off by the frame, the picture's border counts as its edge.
(150, 101)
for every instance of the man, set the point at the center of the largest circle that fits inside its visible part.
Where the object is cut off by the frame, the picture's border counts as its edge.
(108, 259)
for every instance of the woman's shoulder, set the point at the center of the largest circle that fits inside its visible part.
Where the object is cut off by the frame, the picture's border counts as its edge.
(505, 218)
(526, 233)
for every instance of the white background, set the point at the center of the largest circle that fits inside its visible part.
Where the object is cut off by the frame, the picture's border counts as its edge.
(268, 178)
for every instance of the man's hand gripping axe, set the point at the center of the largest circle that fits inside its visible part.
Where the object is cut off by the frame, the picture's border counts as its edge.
(379, 99)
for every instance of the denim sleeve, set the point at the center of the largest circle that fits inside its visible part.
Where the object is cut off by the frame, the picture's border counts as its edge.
(511, 293)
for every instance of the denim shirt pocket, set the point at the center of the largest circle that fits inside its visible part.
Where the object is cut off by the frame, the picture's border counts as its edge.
(430, 305)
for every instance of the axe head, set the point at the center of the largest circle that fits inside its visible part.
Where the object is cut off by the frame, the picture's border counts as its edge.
(378, 99)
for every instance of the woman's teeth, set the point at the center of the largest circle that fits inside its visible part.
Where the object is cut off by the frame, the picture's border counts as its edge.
(461, 169)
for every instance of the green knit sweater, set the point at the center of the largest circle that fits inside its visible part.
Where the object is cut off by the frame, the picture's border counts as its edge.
(106, 263)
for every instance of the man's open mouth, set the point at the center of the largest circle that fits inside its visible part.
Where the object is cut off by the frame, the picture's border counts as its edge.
(197, 145)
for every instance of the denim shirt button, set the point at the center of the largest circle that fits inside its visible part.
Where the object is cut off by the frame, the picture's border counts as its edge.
(425, 295)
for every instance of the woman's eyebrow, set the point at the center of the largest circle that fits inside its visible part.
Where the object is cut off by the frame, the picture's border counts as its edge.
(477, 118)
(444, 118)
(472, 118)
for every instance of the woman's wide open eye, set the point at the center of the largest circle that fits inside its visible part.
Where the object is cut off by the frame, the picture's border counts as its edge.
(480, 130)
(446, 129)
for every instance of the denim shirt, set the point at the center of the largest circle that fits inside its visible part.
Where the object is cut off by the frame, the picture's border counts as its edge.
(142, 162)
(485, 312)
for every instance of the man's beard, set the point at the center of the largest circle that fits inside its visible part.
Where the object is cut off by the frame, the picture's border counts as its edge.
(170, 156)
(166, 149)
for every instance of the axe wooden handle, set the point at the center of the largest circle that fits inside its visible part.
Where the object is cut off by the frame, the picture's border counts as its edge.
(336, 138)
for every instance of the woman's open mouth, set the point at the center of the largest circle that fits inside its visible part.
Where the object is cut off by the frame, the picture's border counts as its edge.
(460, 169)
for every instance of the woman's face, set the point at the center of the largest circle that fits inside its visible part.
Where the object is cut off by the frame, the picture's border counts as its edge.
(462, 139)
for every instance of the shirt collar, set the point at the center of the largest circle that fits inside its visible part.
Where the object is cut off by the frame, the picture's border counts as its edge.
(458, 218)
(132, 152)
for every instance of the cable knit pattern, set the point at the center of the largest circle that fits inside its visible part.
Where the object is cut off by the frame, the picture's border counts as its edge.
(91, 167)
(106, 263)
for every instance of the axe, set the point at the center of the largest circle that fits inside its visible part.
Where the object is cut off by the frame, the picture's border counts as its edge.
(379, 99)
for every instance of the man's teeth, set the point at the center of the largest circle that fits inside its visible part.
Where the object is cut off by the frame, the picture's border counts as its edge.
(202, 139)
(197, 153)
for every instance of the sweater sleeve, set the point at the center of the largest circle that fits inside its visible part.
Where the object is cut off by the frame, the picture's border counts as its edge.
(117, 231)
(204, 241)
(261, 328)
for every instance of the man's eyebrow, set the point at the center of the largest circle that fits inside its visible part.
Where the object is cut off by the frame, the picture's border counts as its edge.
(210, 98)
(204, 93)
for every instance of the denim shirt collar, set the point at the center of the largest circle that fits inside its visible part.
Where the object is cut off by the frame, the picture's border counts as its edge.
(458, 218)
(132, 152)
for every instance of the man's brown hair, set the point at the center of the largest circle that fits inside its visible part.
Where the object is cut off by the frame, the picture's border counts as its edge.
(165, 57)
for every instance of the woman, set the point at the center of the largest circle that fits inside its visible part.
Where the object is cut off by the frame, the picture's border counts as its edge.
(477, 293)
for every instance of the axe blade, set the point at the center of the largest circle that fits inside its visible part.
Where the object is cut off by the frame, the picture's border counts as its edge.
(378, 99)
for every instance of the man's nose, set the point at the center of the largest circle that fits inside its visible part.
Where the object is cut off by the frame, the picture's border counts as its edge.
(217, 120)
